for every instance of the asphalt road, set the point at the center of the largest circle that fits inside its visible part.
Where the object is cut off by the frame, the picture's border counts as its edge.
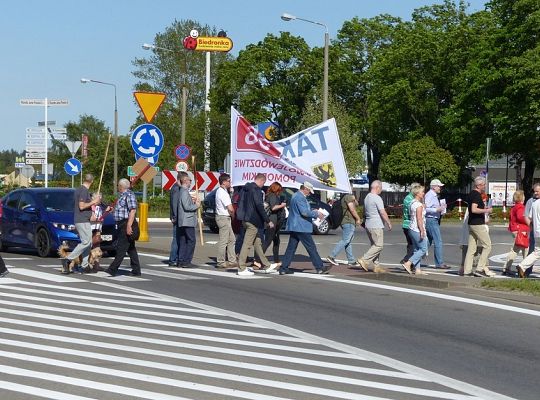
(465, 340)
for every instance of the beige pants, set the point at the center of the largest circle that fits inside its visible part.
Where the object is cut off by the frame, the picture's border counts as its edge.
(376, 238)
(478, 237)
(251, 238)
(514, 251)
(531, 258)
(226, 240)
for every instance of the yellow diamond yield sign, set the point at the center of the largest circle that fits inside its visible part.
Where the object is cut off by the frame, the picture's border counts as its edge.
(149, 102)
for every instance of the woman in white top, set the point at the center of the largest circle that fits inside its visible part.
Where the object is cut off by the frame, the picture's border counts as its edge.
(417, 231)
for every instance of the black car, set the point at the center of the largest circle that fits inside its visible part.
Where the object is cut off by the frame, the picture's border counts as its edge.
(42, 218)
(209, 210)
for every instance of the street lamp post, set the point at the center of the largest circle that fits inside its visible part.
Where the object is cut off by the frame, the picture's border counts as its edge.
(147, 46)
(115, 180)
(289, 17)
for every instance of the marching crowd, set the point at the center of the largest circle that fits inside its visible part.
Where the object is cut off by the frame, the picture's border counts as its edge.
(263, 216)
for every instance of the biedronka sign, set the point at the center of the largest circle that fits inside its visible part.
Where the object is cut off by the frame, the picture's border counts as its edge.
(313, 155)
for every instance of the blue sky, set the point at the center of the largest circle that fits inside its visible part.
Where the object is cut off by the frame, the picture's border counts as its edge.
(48, 46)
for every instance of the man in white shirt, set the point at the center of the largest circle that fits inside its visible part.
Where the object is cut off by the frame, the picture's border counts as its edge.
(224, 213)
(532, 215)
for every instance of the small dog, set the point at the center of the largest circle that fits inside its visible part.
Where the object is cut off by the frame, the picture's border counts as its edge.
(93, 259)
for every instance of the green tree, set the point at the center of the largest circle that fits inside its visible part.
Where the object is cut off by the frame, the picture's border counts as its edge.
(168, 71)
(98, 138)
(418, 160)
(350, 141)
(413, 81)
(269, 81)
(358, 45)
(7, 160)
(514, 95)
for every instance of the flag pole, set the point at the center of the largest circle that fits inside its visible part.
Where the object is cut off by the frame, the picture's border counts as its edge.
(104, 162)
(199, 216)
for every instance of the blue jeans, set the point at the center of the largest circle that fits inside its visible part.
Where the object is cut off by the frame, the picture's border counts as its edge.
(420, 247)
(345, 243)
(434, 235)
(309, 244)
(173, 256)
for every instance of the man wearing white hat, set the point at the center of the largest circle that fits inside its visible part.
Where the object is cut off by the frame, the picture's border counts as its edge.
(434, 210)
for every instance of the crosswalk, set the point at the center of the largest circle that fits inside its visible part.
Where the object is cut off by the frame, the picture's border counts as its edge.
(103, 340)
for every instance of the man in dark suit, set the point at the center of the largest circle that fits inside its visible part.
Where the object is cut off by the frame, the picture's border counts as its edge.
(173, 256)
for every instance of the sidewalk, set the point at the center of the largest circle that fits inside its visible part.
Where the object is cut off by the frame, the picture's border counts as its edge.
(445, 280)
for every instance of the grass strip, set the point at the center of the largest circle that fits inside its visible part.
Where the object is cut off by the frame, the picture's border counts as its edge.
(530, 286)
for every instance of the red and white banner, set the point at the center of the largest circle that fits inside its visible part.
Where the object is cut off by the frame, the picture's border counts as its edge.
(314, 155)
(207, 181)
(84, 146)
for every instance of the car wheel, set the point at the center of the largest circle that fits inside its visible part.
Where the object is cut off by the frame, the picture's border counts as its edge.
(43, 243)
(323, 228)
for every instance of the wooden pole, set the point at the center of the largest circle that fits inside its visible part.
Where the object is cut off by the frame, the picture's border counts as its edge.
(199, 216)
(103, 166)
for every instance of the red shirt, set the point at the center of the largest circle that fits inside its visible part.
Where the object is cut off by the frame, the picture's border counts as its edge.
(517, 219)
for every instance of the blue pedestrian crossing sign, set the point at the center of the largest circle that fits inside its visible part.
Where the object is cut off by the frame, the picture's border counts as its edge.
(72, 166)
(147, 140)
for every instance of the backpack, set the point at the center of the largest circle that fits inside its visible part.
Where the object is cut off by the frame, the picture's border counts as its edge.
(337, 213)
(241, 210)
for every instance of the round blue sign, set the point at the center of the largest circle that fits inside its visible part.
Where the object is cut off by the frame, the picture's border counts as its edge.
(147, 140)
(72, 166)
(182, 152)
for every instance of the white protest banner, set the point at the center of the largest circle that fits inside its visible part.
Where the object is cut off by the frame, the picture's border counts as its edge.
(313, 155)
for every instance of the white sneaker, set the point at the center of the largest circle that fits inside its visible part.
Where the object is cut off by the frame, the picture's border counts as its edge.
(272, 267)
(245, 272)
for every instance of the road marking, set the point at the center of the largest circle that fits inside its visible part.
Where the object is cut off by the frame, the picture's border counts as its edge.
(275, 336)
(40, 392)
(130, 310)
(280, 384)
(126, 391)
(17, 258)
(9, 281)
(170, 275)
(146, 320)
(424, 293)
(188, 345)
(457, 385)
(44, 275)
(86, 356)
(218, 361)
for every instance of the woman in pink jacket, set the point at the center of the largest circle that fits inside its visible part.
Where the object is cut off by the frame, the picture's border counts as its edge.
(517, 223)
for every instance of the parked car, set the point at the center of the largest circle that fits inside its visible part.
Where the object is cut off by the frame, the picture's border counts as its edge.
(209, 210)
(42, 218)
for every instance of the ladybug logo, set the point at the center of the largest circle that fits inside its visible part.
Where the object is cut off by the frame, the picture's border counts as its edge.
(190, 42)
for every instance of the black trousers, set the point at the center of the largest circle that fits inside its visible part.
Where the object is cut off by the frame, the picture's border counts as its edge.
(125, 245)
(2, 265)
(271, 235)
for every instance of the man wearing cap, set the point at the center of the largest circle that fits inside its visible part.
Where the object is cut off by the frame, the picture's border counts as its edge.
(434, 208)
(300, 230)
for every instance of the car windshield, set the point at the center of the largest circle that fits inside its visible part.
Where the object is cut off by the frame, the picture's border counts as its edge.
(57, 201)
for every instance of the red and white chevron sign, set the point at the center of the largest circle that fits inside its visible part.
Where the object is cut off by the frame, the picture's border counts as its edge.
(207, 181)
